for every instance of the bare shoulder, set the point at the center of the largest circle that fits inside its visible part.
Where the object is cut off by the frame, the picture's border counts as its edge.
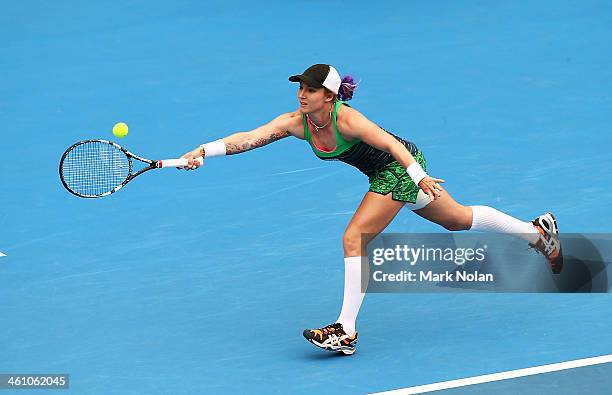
(291, 122)
(348, 114)
(347, 120)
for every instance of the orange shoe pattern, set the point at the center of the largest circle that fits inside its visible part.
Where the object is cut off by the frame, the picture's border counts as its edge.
(332, 338)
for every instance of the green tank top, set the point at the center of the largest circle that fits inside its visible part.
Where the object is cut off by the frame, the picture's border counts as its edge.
(341, 144)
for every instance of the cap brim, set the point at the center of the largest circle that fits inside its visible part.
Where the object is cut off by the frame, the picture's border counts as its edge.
(306, 79)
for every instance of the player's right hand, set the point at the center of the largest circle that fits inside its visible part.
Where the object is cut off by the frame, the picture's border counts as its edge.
(191, 157)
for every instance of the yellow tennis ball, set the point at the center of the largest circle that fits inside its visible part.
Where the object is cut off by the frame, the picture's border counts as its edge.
(120, 130)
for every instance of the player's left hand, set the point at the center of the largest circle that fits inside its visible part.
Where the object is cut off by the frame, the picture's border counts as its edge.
(431, 186)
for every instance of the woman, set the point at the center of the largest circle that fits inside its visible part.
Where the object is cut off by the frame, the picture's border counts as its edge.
(396, 171)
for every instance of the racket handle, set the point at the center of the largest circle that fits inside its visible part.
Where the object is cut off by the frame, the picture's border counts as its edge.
(177, 162)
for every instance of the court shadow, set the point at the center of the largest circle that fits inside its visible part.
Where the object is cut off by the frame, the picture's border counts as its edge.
(322, 355)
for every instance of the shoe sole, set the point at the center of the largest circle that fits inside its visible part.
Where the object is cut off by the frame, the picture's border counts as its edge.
(343, 349)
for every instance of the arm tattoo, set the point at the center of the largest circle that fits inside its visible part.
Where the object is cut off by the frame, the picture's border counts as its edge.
(231, 149)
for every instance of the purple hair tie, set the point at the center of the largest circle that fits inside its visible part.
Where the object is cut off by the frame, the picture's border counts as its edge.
(347, 88)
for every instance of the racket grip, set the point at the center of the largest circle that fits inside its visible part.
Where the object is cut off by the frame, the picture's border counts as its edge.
(177, 162)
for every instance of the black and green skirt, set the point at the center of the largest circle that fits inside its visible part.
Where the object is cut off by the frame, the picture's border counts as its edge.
(393, 179)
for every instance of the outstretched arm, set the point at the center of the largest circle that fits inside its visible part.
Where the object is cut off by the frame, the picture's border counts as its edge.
(236, 143)
(246, 141)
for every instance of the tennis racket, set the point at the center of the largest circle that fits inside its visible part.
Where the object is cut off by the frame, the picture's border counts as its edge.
(97, 168)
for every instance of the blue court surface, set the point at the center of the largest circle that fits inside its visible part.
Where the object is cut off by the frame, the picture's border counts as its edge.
(202, 282)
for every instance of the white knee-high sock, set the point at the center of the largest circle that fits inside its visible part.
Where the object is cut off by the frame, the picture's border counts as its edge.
(353, 297)
(488, 219)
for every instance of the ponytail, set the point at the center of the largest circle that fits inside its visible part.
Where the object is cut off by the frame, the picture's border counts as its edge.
(347, 87)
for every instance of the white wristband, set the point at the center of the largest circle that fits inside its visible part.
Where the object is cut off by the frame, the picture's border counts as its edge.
(416, 172)
(215, 148)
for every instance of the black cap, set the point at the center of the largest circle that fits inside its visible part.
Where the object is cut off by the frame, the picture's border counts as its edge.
(319, 76)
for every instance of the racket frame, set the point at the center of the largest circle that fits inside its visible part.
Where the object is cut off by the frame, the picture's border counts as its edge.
(152, 164)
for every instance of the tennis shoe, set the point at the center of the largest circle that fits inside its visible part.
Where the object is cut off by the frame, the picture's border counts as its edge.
(332, 338)
(548, 243)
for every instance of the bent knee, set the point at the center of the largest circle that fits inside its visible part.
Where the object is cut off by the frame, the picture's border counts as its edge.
(457, 223)
(456, 226)
(354, 241)
(462, 220)
(351, 238)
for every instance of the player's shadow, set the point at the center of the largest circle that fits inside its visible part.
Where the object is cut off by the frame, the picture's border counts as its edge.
(584, 268)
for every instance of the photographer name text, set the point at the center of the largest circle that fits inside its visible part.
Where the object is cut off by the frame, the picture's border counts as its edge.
(431, 276)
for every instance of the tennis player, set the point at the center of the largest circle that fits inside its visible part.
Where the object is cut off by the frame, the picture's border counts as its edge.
(396, 169)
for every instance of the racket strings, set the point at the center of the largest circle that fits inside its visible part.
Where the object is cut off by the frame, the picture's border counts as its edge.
(95, 168)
